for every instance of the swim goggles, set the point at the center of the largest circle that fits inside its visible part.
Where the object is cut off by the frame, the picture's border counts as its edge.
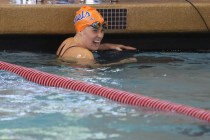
(97, 25)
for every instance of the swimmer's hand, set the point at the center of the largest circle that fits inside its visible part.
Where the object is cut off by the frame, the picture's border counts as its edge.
(124, 61)
(128, 60)
(118, 47)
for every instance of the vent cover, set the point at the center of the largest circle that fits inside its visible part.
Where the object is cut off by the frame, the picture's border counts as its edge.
(115, 18)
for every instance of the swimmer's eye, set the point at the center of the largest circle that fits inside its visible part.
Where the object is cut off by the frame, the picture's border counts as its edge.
(97, 30)
(97, 25)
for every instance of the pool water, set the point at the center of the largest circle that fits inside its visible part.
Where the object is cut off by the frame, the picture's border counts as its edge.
(31, 111)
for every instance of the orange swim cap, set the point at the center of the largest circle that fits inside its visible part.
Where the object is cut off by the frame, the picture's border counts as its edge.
(86, 16)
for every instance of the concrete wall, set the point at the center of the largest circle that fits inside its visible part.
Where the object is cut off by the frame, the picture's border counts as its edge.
(157, 16)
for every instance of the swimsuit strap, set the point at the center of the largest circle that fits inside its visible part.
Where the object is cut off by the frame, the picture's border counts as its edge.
(59, 54)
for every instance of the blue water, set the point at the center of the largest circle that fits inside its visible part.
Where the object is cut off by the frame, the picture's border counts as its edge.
(30, 111)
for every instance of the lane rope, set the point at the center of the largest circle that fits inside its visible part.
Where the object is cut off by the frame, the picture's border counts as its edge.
(124, 97)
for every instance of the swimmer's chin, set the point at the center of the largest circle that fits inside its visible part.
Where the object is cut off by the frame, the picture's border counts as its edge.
(95, 47)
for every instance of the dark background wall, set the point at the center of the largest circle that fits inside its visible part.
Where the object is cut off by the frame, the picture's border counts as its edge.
(144, 42)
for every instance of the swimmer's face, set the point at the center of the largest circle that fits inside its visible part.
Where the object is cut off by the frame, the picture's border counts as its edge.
(92, 37)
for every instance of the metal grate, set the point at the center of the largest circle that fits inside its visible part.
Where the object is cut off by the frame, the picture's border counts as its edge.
(115, 18)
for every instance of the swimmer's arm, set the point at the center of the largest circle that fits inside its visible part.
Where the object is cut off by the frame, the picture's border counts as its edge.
(124, 61)
(118, 47)
(78, 56)
(89, 63)
(85, 63)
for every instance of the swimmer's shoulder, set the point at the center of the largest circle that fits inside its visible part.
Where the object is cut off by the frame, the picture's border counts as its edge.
(67, 43)
(78, 53)
(77, 56)
(69, 48)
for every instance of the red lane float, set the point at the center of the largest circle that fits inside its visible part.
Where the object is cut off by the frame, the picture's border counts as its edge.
(47, 79)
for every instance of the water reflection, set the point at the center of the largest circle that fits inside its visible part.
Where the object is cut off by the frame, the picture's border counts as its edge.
(25, 1)
(78, 1)
(56, 1)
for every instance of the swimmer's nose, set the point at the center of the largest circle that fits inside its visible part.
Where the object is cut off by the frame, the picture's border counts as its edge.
(100, 34)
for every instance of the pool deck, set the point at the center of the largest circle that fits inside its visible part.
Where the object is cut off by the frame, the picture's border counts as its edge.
(143, 16)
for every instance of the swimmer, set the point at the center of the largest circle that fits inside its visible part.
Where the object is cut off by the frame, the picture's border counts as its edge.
(90, 26)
